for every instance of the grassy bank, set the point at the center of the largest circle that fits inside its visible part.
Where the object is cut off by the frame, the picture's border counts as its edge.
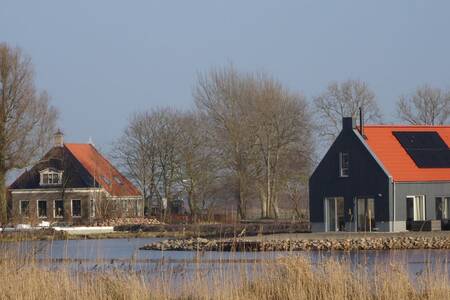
(287, 278)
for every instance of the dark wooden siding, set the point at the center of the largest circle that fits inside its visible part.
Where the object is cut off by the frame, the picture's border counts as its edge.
(367, 178)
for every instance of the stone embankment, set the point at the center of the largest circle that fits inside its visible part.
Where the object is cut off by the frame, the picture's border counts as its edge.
(381, 243)
(129, 221)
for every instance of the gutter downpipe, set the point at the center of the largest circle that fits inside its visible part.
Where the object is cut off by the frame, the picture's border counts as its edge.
(393, 204)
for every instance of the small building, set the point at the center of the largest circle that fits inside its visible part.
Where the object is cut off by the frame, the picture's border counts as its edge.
(382, 178)
(73, 184)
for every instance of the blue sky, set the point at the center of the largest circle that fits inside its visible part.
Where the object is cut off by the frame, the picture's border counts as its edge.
(102, 60)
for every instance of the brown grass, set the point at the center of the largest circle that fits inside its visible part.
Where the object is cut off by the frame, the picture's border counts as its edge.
(284, 278)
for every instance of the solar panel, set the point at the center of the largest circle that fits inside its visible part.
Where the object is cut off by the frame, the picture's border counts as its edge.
(426, 149)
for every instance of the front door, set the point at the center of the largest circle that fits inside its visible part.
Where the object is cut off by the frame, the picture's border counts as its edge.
(334, 214)
(365, 210)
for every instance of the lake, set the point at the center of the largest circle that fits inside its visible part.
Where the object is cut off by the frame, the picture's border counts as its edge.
(124, 253)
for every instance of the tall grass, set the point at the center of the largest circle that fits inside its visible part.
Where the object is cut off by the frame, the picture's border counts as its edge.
(24, 277)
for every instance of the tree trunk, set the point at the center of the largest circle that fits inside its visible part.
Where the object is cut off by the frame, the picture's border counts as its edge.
(275, 209)
(264, 213)
(242, 211)
(192, 205)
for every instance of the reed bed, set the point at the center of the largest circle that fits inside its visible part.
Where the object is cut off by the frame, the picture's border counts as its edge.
(293, 277)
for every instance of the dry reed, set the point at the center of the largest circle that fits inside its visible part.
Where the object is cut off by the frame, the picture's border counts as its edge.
(293, 277)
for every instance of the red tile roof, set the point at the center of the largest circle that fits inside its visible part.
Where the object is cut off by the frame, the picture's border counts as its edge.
(395, 158)
(102, 170)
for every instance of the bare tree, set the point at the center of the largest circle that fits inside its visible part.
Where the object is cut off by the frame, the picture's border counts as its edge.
(282, 126)
(27, 120)
(258, 127)
(344, 100)
(147, 152)
(428, 105)
(197, 162)
(222, 95)
(166, 139)
(135, 152)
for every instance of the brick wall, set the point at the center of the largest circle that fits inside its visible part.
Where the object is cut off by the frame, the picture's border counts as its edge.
(33, 198)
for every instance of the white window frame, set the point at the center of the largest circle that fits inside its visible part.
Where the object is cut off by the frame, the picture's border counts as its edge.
(50, 172)
(424, 209)
(54, 209)
(20, 208)
(37, 209)
(71, 208)
(344, 172)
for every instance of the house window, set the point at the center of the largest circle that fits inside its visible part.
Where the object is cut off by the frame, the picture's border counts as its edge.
(442, 208)
(106, 179)
(92, 208)
(50, 177)
(42, 208)
(344, 164)
(24, 207)
(58, 209)
(415, 208)
(76, 208)
(118, 180)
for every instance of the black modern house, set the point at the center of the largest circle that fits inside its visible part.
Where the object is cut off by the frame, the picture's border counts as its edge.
(382, 178)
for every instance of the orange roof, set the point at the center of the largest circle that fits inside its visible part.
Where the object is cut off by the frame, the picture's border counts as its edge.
(102, 170)
(395, 158)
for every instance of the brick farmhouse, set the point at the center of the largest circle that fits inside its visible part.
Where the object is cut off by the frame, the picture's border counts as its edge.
(72, 184)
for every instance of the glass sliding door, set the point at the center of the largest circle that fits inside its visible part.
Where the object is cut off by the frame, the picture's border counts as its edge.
(334, 214)
(365, 214)
(415, 210)
(442, 208)
(331, 214)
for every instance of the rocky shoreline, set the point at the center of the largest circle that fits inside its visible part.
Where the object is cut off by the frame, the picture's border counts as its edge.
(353, 244)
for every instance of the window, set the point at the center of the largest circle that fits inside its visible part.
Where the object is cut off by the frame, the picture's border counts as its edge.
(442, 208)
(24, 207)
(343, 164)
(76, 208)
(125, 205)
(50, 177)
(42, 208)
(58, 209)
(106, 180)
(415, 208)
(118, 180)
(92, 208)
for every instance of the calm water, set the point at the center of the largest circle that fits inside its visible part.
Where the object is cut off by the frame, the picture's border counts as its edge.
(124, 253)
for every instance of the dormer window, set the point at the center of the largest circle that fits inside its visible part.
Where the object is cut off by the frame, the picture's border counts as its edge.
(344, 164)
(51, 177)
(118, 180)
(106, 179)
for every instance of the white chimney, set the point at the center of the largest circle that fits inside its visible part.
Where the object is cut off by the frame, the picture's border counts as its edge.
(58, 139)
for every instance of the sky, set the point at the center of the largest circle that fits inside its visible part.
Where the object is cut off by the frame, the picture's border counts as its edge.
(101, 61)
